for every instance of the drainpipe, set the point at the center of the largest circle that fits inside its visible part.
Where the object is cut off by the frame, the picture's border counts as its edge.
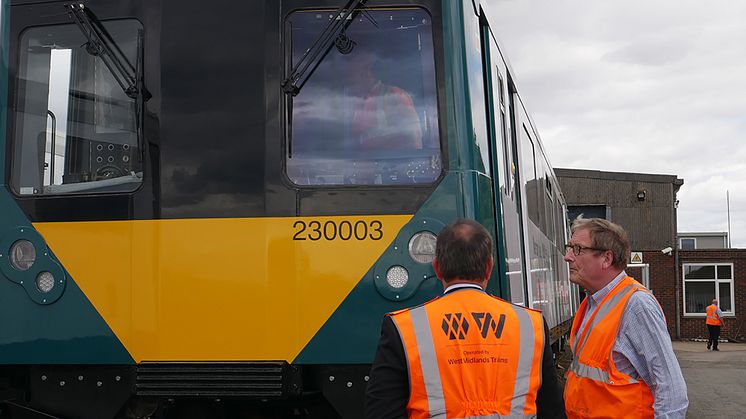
(676, 263)
(678, 289)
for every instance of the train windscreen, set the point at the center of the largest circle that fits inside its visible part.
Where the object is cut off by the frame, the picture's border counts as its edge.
(368, 114)
(76, 128)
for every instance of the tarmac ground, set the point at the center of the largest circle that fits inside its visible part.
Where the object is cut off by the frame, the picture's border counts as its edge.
(716, 381)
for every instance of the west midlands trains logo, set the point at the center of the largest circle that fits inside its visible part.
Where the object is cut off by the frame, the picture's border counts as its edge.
(456, 325)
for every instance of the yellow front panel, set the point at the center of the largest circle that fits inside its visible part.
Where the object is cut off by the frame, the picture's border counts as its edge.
(216, 289)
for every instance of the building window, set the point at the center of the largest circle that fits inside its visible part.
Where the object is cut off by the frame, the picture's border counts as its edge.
(688, 243)
(703, 282)
(587, 211)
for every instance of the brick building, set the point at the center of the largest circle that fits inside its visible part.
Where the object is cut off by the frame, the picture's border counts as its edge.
(730, 278)
(683, 281)
(663, 283)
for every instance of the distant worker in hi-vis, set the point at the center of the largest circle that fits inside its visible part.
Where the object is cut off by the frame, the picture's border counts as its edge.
(465, 354)
(714, 322)
(623, 362)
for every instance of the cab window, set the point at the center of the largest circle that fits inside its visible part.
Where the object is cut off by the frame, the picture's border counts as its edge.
(76, 126)
(368, 114)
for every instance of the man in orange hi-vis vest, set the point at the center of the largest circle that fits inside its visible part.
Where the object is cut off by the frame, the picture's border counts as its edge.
(714, 322)
(466, 354)
(623, 362)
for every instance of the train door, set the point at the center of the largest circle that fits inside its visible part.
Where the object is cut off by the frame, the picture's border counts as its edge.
(492, 64)
(640, 270)
(545, 238)
(526, 201)
(474, 152)
(507, 204)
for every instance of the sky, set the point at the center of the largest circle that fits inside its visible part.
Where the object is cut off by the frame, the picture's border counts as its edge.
(655, 86)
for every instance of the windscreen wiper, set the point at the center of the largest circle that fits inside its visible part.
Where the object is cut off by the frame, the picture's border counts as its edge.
(102, 45)
(332, 33)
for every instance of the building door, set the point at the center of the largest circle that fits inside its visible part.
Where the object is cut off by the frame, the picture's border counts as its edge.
(641, 272)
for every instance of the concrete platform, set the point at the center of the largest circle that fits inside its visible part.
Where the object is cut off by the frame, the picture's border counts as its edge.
(716, 381)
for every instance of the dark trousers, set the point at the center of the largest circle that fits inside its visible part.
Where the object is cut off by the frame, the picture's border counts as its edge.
(714, 336)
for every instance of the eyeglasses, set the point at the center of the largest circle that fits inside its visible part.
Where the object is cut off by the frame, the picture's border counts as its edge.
(578, 249)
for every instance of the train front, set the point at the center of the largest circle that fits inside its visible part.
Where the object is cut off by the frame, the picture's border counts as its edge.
(195, 223)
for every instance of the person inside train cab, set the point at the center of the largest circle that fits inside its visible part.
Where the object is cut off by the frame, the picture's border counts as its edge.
(383, 115)
(466, 353)
(623, 360)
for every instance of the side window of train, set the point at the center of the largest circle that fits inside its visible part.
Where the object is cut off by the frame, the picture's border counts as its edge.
(76, 125)
(498, 103)
(530, 180)
(505, 137)
(368, 115)
(560, 225)
(548, 204)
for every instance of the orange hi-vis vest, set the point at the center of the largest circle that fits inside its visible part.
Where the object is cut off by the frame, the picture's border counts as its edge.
(594, 387)
(712, 317)
(471, 355)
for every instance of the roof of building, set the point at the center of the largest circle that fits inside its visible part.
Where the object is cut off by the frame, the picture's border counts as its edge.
(640, 177)
(703, 234)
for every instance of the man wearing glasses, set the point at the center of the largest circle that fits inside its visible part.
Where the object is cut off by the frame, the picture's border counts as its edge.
(623, 362)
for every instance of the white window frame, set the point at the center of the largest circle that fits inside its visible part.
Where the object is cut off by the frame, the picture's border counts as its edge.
(717, 282)
(681, 239)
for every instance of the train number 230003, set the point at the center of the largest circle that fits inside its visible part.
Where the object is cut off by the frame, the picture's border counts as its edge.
(338, 230)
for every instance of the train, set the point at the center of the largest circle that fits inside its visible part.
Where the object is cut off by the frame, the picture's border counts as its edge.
(207, 208)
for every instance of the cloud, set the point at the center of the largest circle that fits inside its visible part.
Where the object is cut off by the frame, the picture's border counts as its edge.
(651, 87)
(649, 53)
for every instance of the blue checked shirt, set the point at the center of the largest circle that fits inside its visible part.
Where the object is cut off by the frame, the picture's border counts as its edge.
(643, 350)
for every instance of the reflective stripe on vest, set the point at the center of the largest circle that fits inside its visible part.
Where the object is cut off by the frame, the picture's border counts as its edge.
(526, 356)
(595, 374)
(423, 367)
(428, 360)
(600, 313)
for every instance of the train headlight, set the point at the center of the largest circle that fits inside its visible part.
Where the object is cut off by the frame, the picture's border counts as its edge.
(45, 282)
(397, 276)
(422, 247)
(22, 255)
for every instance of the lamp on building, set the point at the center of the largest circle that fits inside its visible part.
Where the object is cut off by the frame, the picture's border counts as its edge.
(641, 195)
